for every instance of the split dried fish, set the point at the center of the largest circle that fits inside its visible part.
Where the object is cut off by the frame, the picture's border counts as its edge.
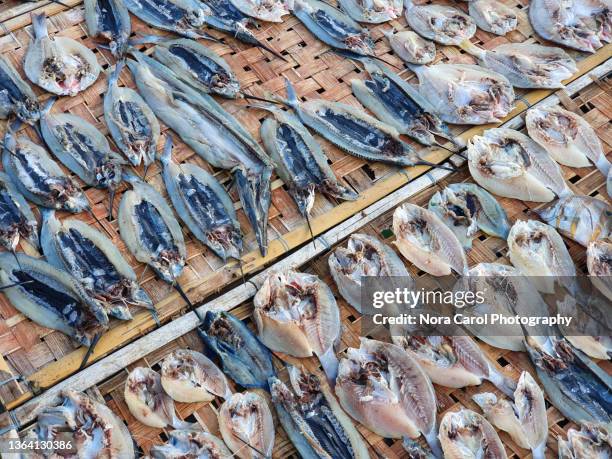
(364, 255)
(38, 177)
(212, 133)
(196, 444)
(576, 386)
(91, 427)
(454, 361)
(424, 240)
(16, 218)
(581, 218)
(411, 48)
(372, 11)
(189, 376)
(203, 205)
(467, 434)
(96, 262)
(525, 420)
(493, 16)
(599, 264)
(384, 388)
(526, 65)
(465, 94)
(441, 23)
(109, 19)
(51, 297)
(296, 313)
(415, 450)
(246, 425)
(16, 96)
(592, 441)
(130, 121)
(60, 65)
(150, 231)
(510, 164)
(266, 10)
(244, 358)
(467, 208)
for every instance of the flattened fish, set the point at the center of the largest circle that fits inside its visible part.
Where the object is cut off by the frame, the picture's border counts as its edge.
(441, 23)
(599, 264)
(16, 218)
(109, 19)
(266, 10)
(59, 65)
(467, 434)
(16, 96)
(427, 242)
(493, 16)
(411, 48)
(510, 164)
(372, 11)
(592, 441)
(191, 443)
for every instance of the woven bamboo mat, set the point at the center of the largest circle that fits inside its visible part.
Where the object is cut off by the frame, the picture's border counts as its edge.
(29, 349)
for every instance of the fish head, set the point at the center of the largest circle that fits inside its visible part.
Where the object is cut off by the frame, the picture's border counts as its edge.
(552, 125)
(599, 258)
(226, 241)
(501, 158)
(146, 399)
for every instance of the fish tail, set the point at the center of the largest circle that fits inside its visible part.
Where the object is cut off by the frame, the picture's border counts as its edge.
(144, 39)
(506, 385)
(48, 104)
(166, 156)
(114, 76)
(434, 444)
(292, 98)
(90, 350)
(329, 362)
(471, 48)
(254, 193)
(39, 24)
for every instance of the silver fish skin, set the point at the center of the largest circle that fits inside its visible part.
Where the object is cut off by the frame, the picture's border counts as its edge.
(372, 11)
(443, 24)
(592, 441)
(415, 450)
(131, 123)
(467, 434)
(16, 96)
(410, 47)
(599, 265)
(266, 10)
(109, 19)
(526, 65)
(16, 218)
(583, 219)
(465, 94)
(59, 65)
(191, 443)
(38, 177)
(508, 163)
(52, 298)
(203, 205)
(94, 260)
(212, 133)
(467, 208)
(299, 160)
(493, 16)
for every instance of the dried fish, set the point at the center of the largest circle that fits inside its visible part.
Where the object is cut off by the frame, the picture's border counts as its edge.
(150, 231)
(467, 434)
(384, 388)
(38, 177)
(246, 425)
(581, 218)
(415, 450)
(203, 205)
(189, 376)
(60, 65)
(410, 47)
(597, 15)
(296, 313)
(592, 441)
(196, 444)
(16, 96)
(599, 264)
(424, 239)
(525, 420)
(16, 218)
(526, 65)
(576, 386)
(109, 19)
(510, 164)
(244, 358)
(130, 121)
(467, 208)
(372, 11)
(441, 23)
(94, 260)
(266, 10)
(454, 361)
(51, 297)
(465, 94)
(364, 255)
(493, 16)
(92, 429)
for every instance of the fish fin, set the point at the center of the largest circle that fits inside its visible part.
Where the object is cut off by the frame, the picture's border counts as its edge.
(39, 24)
(146, 39)
(46, 108)
(434, 443)
(329, 362)
(166, 156)
(292, 98)
(90, 350)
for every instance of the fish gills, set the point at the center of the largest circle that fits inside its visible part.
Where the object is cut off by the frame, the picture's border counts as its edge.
(467, 434)
(16, 96)
(146, 399)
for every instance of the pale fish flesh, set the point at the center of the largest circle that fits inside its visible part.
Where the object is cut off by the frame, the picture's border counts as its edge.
(16, 96)
(415, 450)
(465, 94)
(364, 255)
(567, 137)
(189, 376)
(109, 19)
(183, 444)
(384, 388)
(372, 11)
(597, 15)
(466, 434)
(493, 16)
(510, 164)
(424, 239)
(246, 425)
(525, 420)
(454, 361)
(16, 218)
(581, 218)
(296, 313)
(592, 441)
(467, 208)
(526, 65)
(599, 264)
(59, 65)
(411, 48)
(266, 10)
(441, 23)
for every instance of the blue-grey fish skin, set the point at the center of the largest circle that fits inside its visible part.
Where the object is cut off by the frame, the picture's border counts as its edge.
(244, 358)
(16, 218)
(109, 19)
(16, 96)
(185, 18)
